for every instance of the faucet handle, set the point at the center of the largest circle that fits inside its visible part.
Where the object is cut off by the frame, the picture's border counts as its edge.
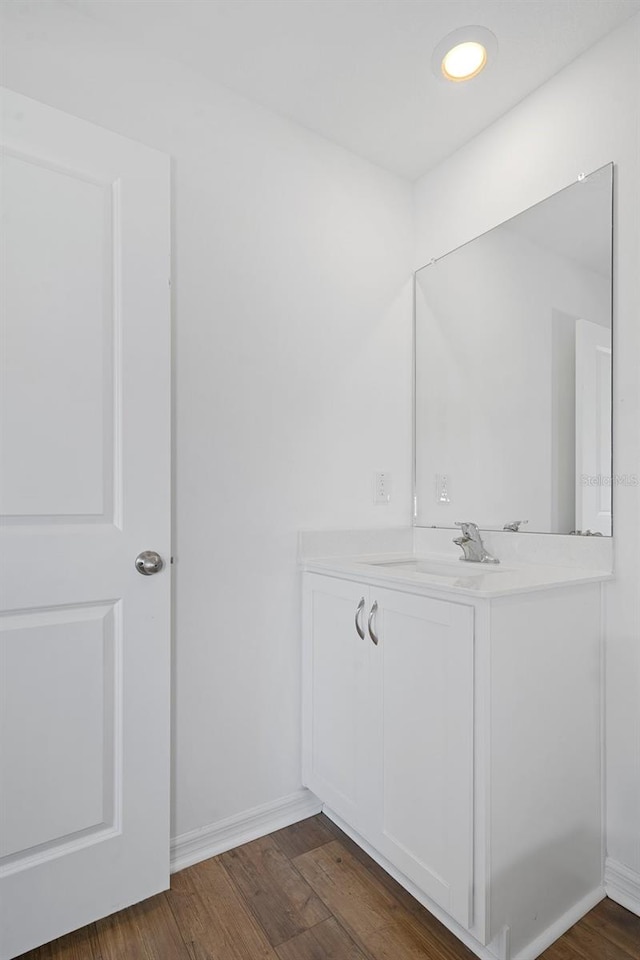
(514, 525)
(468, 528)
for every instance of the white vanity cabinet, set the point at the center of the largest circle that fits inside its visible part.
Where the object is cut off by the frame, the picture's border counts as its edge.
(389, 727)
(463, 749)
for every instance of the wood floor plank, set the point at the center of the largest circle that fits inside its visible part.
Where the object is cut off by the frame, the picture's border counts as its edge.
(350, 892)
(326, 941)
(146, 931)
(410, 940)
(560, 950)
(78, 945)
(588, 943)
(301, 837)
(376, 920)
(280, 899)
(431, 924)
(159, 930)
(614, 923)
(118, 938)
(213, 918)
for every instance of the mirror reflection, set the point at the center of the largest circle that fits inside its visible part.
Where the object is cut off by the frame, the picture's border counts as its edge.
(513, 371)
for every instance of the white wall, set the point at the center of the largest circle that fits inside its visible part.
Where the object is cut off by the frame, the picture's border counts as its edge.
(292, 264)
(584, 117)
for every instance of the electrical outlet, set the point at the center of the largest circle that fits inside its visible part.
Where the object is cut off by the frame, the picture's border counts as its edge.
(382, 488)
(443, 488)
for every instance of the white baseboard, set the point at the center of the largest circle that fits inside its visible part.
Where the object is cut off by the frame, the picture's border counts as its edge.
(622, 884)
(209, 841)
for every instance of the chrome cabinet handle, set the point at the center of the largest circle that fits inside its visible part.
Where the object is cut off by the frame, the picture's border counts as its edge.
(374, 610)
(359, 610)
(149, 562)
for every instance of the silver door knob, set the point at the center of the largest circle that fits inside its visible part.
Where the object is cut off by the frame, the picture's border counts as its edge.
(149, 562)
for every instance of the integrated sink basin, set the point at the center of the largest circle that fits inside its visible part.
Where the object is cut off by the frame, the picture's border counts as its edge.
(438, 568)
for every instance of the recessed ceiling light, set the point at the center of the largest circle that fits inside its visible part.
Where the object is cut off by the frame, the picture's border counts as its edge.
(464, 53)
(464, 61)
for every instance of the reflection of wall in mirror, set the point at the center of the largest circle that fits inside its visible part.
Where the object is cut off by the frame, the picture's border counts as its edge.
(593, 428)
(496, 383)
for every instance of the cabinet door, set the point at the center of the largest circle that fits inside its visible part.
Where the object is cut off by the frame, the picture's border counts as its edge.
(336, 732)
(422, 678)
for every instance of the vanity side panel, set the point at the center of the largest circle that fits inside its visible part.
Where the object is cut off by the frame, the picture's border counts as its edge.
(545, 766)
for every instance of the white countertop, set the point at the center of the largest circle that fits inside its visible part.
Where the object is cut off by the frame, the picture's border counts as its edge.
(446, 575)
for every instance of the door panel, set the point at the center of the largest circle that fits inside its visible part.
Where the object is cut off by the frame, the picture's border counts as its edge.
(84, 487)
(66, 730)
(336, 754)
(58, 333)
(424, 678)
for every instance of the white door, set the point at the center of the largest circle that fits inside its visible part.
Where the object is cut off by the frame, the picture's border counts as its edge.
(593, 427)
(85, 421)
(423, 698)
(337, 743)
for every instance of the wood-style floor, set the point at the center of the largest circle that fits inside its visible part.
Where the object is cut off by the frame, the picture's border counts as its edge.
(305, 893)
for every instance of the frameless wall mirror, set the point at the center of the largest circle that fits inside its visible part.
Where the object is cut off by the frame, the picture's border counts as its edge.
(513, 371)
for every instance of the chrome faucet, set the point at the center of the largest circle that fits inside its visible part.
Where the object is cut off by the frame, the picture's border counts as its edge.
(472, 545)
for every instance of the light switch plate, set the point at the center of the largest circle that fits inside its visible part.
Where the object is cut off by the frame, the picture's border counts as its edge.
(443, 488)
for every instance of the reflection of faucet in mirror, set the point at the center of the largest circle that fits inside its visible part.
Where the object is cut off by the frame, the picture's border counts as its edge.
(514, 525)
(472, 545)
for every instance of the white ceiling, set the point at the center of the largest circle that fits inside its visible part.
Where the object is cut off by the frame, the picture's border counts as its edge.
(359, 71)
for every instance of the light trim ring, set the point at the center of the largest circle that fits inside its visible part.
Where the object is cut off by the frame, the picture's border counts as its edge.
(463, 54)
